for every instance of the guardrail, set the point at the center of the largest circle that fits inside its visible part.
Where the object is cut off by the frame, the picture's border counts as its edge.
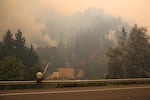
(142, 80)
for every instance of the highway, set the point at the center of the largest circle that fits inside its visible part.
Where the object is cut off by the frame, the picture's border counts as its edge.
(124, 92)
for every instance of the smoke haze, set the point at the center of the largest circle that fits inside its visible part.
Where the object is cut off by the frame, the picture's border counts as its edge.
(20, 15)
(44, 24)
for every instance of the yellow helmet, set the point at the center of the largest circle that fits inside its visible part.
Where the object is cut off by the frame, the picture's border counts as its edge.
(39, 75)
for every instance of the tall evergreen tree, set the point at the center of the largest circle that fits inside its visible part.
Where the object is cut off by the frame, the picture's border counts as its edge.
(122, 45)
(131, 57)
(31, 60)
(8, 44)
(139, 52)
(17, 48)
(118, 58)
(20, 47)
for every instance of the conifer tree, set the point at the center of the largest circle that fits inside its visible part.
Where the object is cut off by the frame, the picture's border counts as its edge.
(8, 44)
(20, 47)
(131, 57)
(139, 52)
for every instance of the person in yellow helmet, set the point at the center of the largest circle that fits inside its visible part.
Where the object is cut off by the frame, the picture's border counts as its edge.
(39, 76)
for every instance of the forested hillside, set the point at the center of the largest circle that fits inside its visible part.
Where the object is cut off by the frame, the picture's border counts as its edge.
(17, 60)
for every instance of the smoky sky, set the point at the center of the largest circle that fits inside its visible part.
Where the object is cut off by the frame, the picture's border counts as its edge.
(41, 22)
(16, 14)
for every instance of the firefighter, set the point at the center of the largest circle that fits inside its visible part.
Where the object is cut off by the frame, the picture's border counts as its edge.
(39, 76)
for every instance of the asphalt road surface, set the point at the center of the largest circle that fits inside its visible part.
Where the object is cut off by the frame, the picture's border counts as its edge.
(126, 92)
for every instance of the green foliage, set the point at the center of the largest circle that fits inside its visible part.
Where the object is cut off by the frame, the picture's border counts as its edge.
(31, 60)
(7, 45)
(16, 47)
(11, 69)
(139, 54)
(20, 46)
(131, 57)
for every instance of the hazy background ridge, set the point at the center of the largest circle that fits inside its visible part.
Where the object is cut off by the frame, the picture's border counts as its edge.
(42, 20)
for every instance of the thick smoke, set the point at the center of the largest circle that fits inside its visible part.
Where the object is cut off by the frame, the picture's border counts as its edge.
(20, 15)
(92, 20)
(47, 27)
